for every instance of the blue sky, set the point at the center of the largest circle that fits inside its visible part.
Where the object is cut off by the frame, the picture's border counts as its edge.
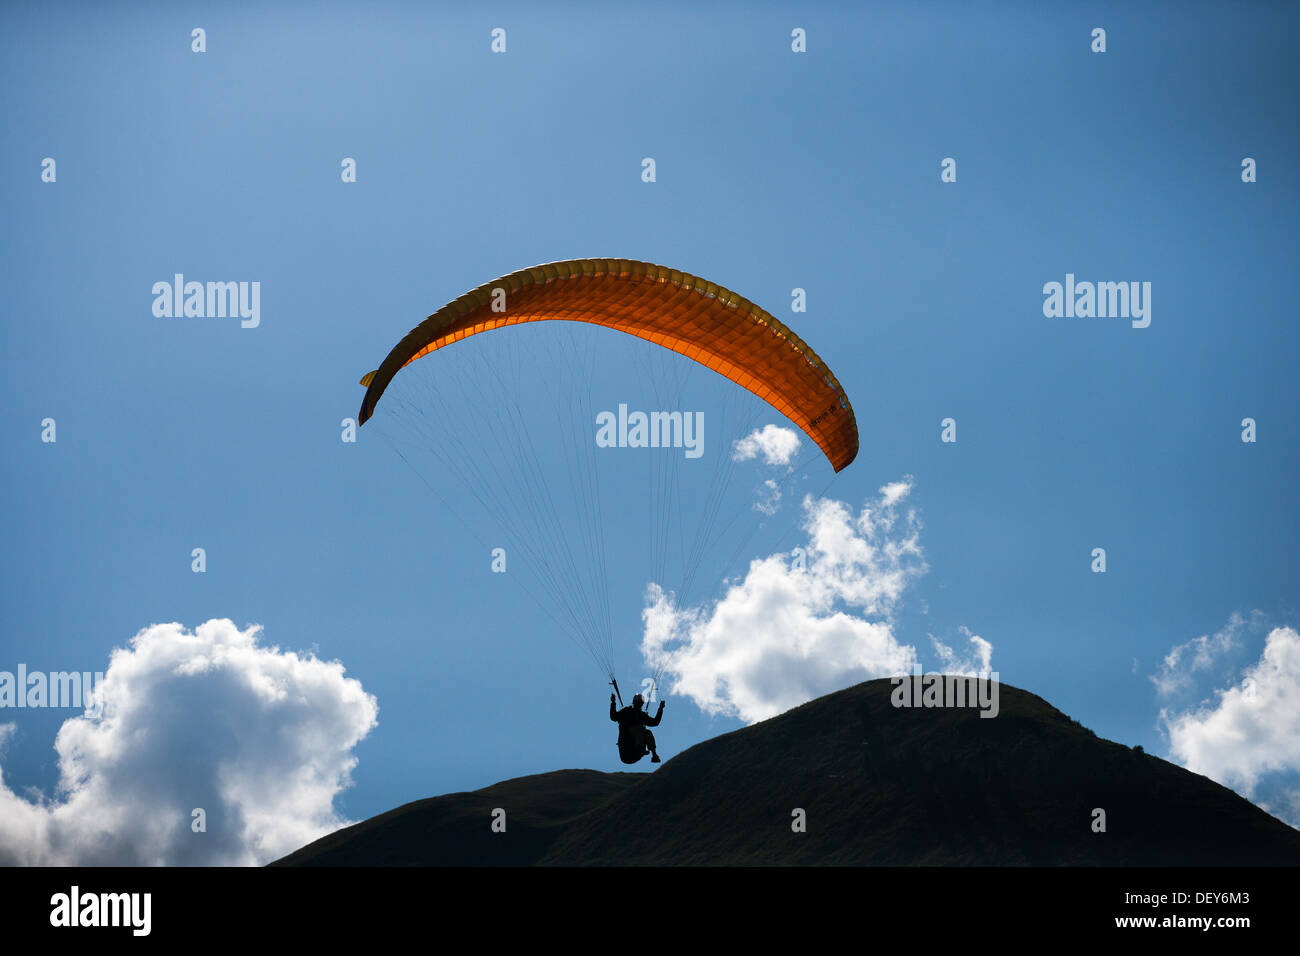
(775, 170)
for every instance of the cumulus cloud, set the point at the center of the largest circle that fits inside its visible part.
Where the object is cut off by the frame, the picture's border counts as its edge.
(976, 662)
(1180, 667)
(260, 739)
(1250, 729)
(776, 445)
(792, 631)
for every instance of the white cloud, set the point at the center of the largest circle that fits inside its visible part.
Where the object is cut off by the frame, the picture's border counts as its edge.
(1285, 806)
(1253, 728)
(894, 492)
(1178, 669)
(260, 738)
(777, 445)
(770, 502)
(977, 663)
(783, 635)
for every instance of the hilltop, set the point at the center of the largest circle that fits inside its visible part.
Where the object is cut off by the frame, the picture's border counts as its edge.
(877, 785)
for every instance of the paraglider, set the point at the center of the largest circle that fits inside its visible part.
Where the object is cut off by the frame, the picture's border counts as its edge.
(634, 737)
(495, 456)
(689, 315)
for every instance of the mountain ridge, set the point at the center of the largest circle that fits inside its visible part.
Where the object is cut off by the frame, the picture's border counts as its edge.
(874, 784)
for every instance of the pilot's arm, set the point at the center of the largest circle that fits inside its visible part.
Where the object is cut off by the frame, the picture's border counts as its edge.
(613, 715)
(659, 715)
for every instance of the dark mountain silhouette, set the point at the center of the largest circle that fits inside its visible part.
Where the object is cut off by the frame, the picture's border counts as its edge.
(878, 784)
(454, 829)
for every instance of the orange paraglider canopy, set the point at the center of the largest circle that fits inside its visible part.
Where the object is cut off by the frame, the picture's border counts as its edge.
(692, 316)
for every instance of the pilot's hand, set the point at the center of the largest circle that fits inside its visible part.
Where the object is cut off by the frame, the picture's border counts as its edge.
(661, 705)
(611, 698)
